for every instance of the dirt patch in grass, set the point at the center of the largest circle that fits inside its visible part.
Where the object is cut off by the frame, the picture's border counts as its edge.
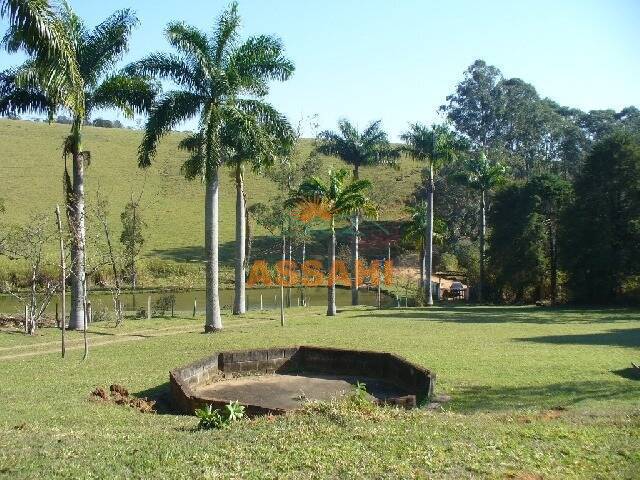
(120, 396)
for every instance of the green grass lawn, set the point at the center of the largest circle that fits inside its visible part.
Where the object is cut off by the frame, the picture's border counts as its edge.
(536, 393)
(31, 168)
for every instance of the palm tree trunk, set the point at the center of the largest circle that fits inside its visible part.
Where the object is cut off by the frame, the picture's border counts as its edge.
(304, 252)
(483, 229)
(213, 320)
(239, 303)
(429, 237)
(355, 253)
(423, 267)
(284, 256)
(78, 238)
(331, 288)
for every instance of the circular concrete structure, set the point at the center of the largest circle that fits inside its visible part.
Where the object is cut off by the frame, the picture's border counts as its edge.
(276, 380)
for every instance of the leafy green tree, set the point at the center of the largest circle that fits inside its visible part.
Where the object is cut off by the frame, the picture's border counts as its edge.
(75, 72)
(357, 149)
(534, 134)
(436, 146)
(601, 228)
(340, 199)
(223, 83)
(482, 175)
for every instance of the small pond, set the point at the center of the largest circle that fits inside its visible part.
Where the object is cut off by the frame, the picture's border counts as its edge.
(184, 300)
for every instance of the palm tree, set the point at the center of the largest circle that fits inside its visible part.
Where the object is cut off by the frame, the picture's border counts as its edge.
(339, 199)
(222, 82)
(259, 146)
(88, 82)
(413, 234)
(482, 175)
(436, 146)
(371, 147)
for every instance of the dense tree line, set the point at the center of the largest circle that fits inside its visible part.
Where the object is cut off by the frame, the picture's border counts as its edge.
(564, 226)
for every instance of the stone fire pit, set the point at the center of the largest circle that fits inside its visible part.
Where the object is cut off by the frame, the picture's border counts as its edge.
(276, 380)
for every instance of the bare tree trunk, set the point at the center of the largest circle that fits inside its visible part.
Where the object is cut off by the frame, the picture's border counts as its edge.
(331, 288)
(554, 263)
(483, 229)
(213, 320)
(428, 241)
(239, 302)
(62, 277)
(76, 319)
(284, 249)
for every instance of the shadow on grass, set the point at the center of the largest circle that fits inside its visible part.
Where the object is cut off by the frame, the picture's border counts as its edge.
(487, 398)
(630, 373)
(161, 395)
(510, 314)
(629, 337)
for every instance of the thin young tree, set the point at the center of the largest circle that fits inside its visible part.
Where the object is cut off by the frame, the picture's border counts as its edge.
(75, 74)
(357, 149)
(435, 146)
(221, 82)
(340, 199)
(483, 176)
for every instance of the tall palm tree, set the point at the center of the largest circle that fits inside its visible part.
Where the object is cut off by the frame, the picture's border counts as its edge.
(88, 82)
(413, 234)
(340, 199)
(369, 147)
(435, 146)
(258, 144)
(482, 175)
(221, 82)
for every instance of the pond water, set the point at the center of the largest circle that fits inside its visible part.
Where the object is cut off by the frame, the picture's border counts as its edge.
(184, 300)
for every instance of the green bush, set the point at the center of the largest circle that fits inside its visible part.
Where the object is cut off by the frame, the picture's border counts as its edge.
(219, 418)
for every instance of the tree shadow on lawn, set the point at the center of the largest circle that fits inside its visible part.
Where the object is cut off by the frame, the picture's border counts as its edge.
(629, 337)
(161, 394)
(488, 398)
(510, 314)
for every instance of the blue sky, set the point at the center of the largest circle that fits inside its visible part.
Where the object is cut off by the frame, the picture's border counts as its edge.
(398, 60)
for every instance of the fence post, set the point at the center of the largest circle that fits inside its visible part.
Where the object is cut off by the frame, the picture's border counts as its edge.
(149, 307)
(195, 306)
(260, 302)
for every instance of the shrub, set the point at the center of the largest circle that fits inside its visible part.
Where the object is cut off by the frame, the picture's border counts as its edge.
(219, 418)
(163, 304)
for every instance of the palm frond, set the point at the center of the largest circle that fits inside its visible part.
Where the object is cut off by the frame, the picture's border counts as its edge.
(258, 60)
(100, 49)
(194, 166)
(192, 43)
(173, 108)
(38, 30)
(129, 94)
(226, 33)
(166, 66)
(20, 99)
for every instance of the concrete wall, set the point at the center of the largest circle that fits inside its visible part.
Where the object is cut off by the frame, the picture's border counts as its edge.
(416, 381)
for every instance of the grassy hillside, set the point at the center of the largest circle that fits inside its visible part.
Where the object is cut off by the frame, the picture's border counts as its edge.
(31, 169)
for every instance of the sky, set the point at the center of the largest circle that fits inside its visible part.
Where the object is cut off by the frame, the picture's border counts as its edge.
(398, 60)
